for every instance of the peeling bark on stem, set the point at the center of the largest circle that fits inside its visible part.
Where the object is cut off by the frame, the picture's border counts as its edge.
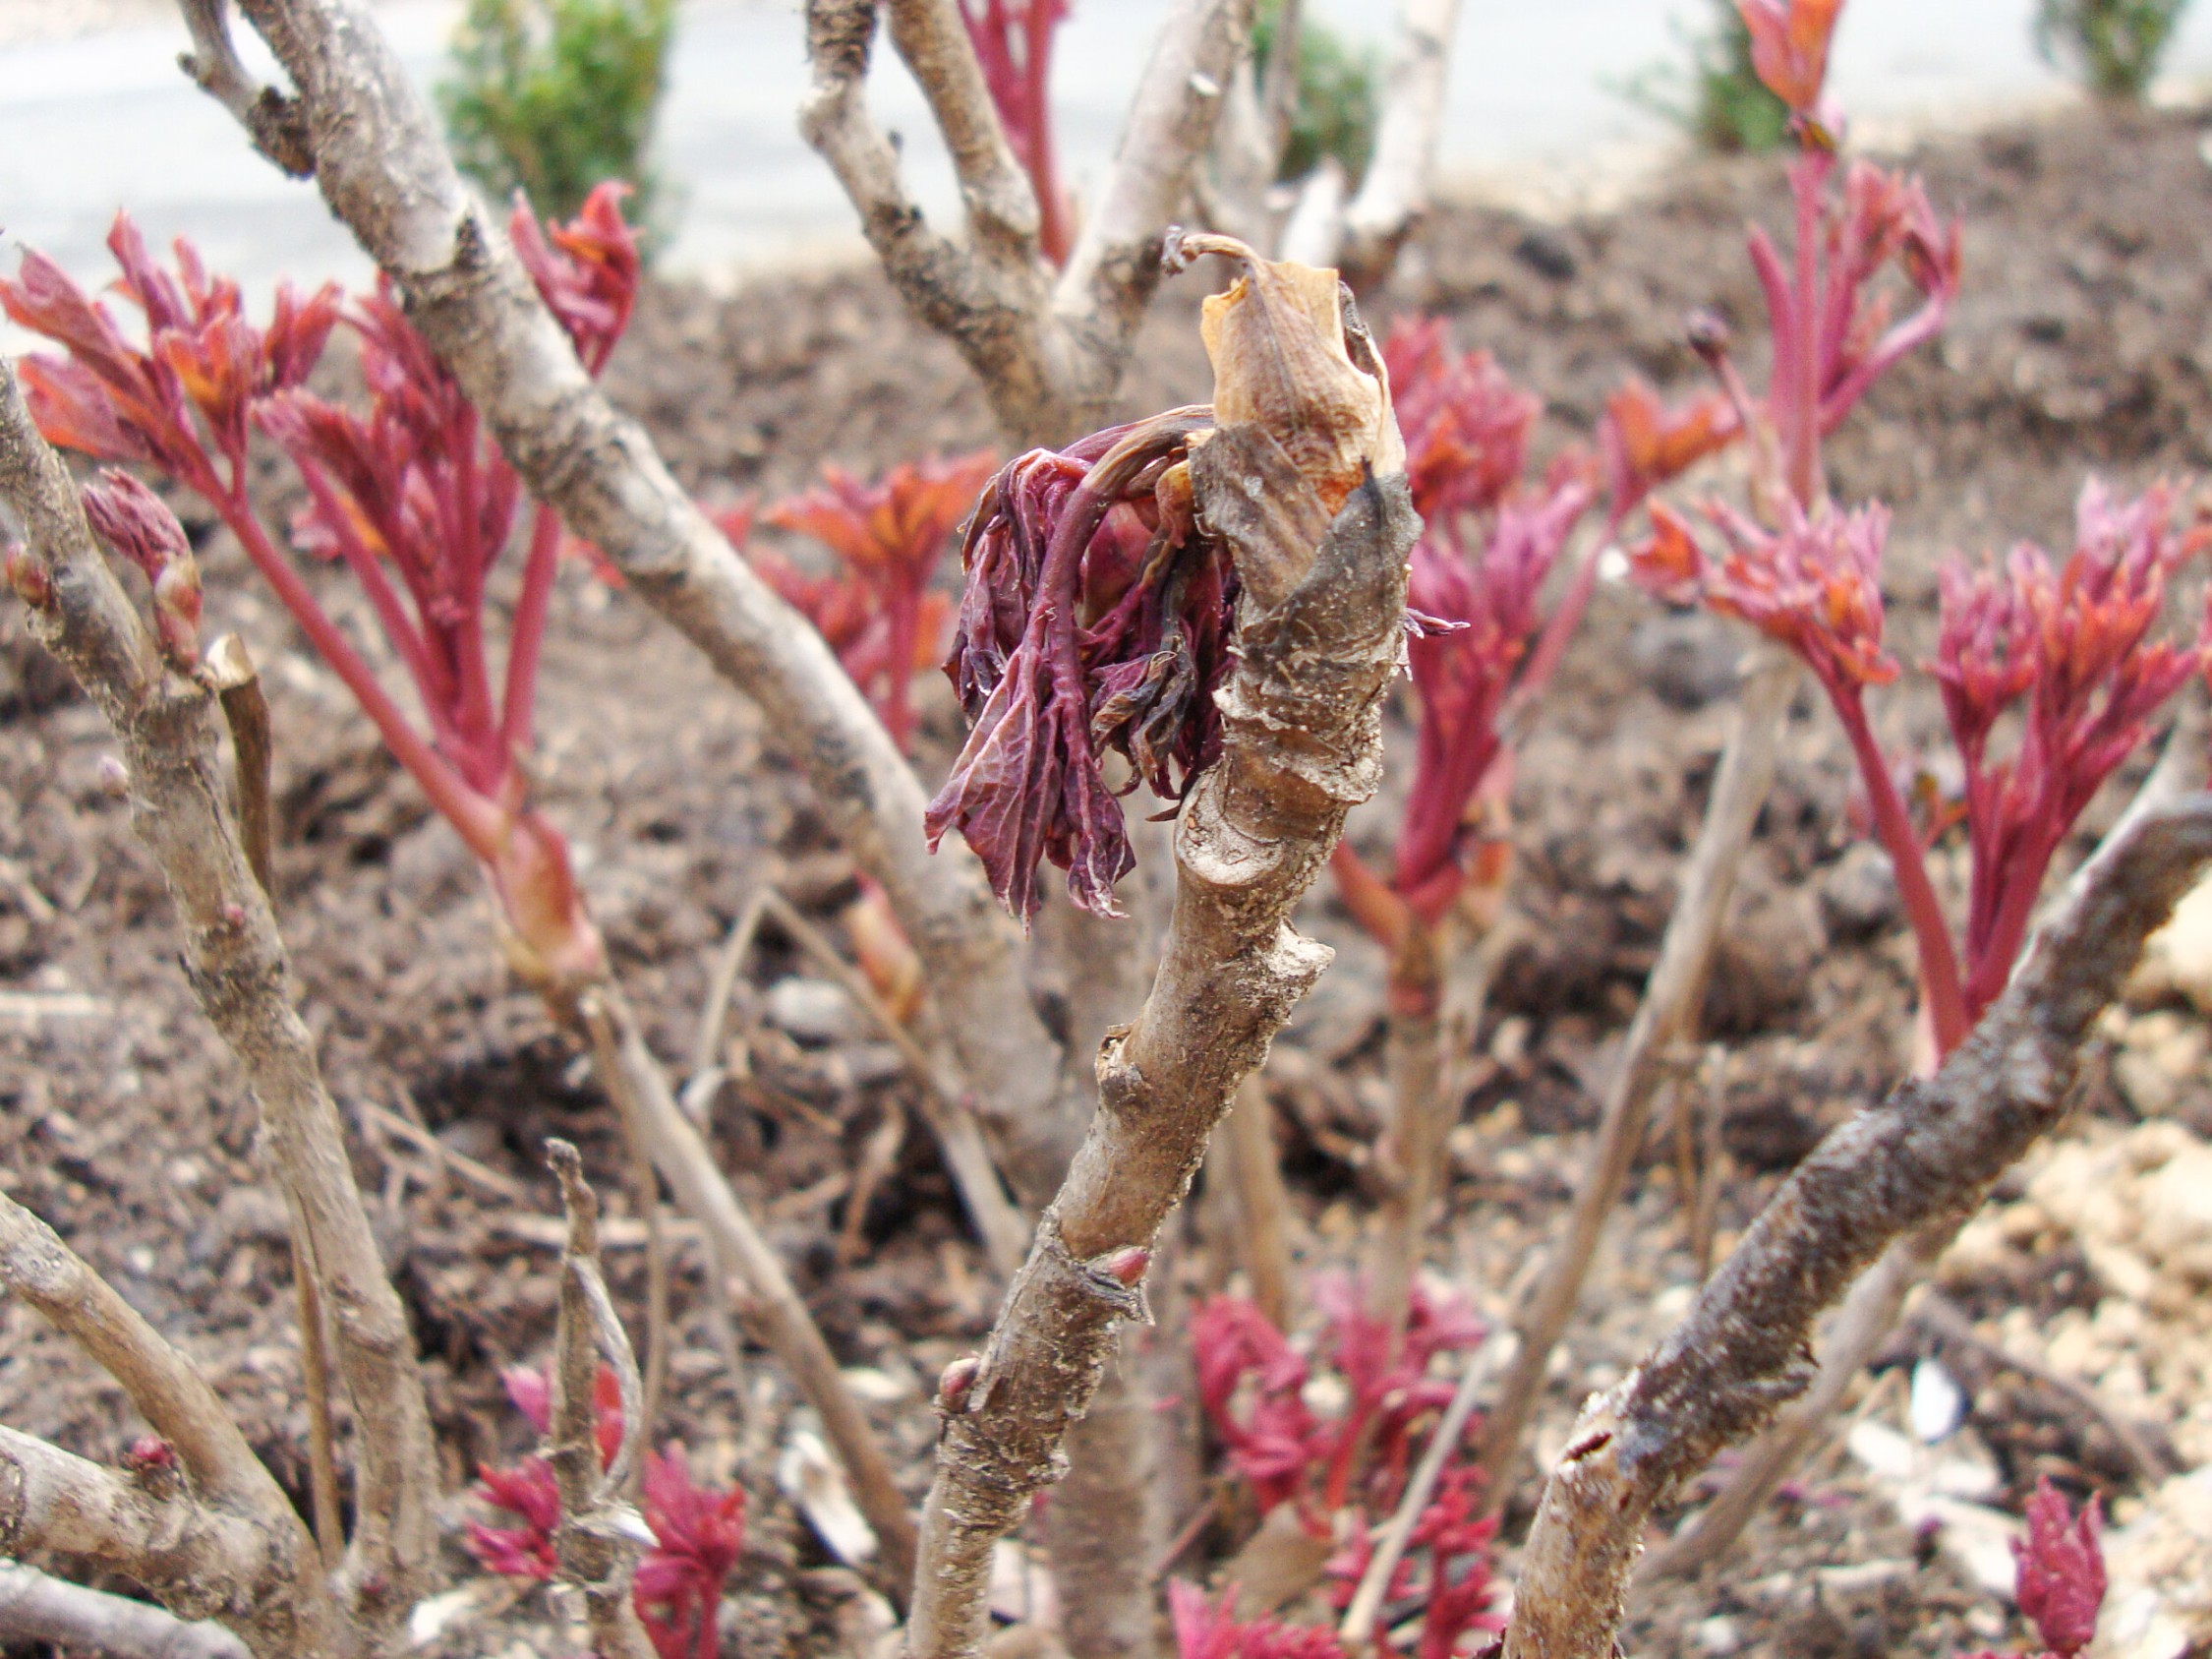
(1665, 1016)
(386, 174)
(1927, 1153)
(1302, 743)
(237, 967)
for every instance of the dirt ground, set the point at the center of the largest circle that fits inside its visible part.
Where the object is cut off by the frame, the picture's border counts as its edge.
(2081, 344)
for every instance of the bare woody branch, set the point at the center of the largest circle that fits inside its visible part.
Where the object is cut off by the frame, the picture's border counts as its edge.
(166, 1388)
(386, 174)
(239, 971)
(1002, 208)
(1049, 351)
(212, 1532)
(1877, 1302)
(598, 1541)
(36, 1608)
(273, 120)
(1927, 1153)
(1115, 264)
(1319, 647)
(202, 1561)
(1395, 191)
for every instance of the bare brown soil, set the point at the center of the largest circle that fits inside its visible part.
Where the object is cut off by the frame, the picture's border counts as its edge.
(2083, 344)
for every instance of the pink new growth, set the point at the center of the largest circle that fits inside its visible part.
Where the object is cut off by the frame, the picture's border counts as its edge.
(2069, 650)
(1251, 1384)
(1456, 1593)
(2059, 1580)
(1834, 334)
(1480, 640)
(410, 496)
(1253, 1387)
(876, 609)
(1789, 41)
(1206, 1629)
(1013, 41)
(698, 1535)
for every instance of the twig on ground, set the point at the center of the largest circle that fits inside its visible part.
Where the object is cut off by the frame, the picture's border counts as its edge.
(1262, 1200)
(238, 687)
(238, 970)
(34, 1608)
(600, 1536)
(1711, 1159)
(1664, 1018)
(1946, 1321)
(774, 1309)
(944, 1095)
(879, 1157)
(1925, 1154)
(644, 1188)
(502, 1186)
(722, 984)
(384, 170)
(1357, 1629)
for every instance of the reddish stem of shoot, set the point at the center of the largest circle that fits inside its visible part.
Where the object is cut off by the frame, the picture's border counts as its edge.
(1894, 827)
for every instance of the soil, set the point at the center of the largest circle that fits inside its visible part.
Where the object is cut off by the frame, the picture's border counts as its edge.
(2080, 345)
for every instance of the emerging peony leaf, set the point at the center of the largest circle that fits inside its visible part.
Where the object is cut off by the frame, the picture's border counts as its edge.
(1098, 611)
(1644, 443)
(1206, 1629)
(877, 611)
(587, 271)
(1789, 41)
(1466, 425)
(1095, 618)
(137, 524)
(2060, 1579)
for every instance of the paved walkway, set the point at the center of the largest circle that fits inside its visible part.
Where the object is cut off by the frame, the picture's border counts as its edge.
(104, 121)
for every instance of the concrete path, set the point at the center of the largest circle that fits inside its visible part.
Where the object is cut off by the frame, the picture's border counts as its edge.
(106, 121)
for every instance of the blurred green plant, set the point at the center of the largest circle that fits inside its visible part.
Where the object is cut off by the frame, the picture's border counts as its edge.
(1334, 112)
(1717, 99)
(2113, 45)
(555, 96)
